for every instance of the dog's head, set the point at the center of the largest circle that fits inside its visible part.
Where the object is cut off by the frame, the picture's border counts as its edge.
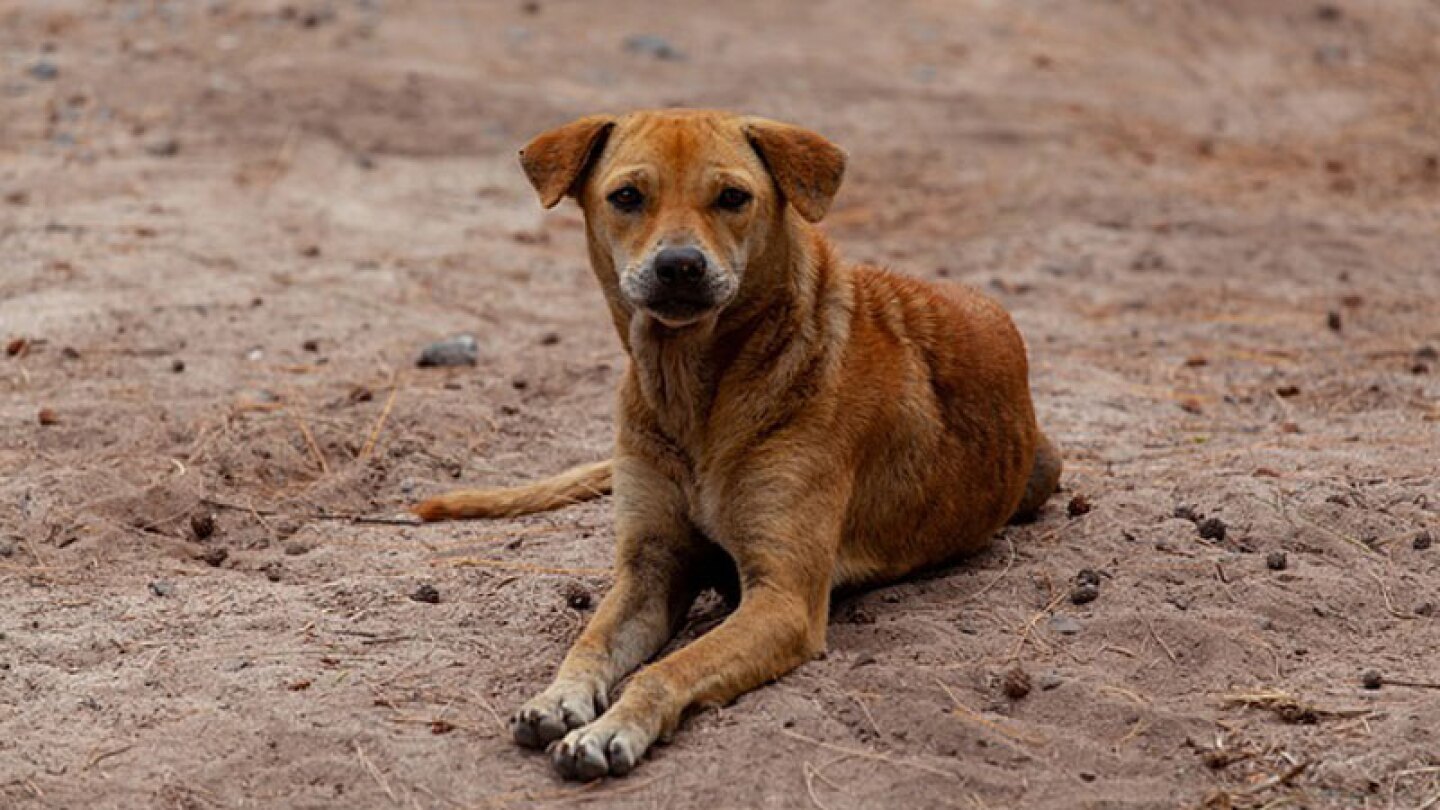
(682, 202)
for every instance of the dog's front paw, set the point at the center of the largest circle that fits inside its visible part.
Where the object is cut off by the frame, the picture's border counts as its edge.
(603, 748)
(561, 707)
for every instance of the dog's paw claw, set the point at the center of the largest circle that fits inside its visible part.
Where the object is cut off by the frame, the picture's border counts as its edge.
(600, 749)
(552, 713)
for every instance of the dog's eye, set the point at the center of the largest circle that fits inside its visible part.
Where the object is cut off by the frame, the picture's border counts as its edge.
(732, 199)
(627, 199)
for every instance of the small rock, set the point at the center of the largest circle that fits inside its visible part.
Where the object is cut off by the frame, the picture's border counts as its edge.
(1287, 391)
(1084, 594)
(1064, 625)
(44, 70)
(47, 417)
(1015, 683)
(460, 350)
(1328, 12)
(310, 251)
(1425, 609)
(7, 548)
(1422, 541)
(1187, 512)
(311, 345)
(1332, 54)
(17, 347)
(1049, 681)
(1079, 505)
(1427, 352)
(360, 393)
(70, 353)
(162, 589)
(295, 548)
(1372, 680)
(550, 339)
(1332, 320)
(426, 593)
(215, 556)
(653, 46)
(1277, 561)
(273, 570)
(1212, 529)
(576, 596)
(234, 665)
(177, 366)
(202, 525)
(163, 146)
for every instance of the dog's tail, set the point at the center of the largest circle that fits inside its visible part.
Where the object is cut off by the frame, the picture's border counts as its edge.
(1044, 480)
(584, 483)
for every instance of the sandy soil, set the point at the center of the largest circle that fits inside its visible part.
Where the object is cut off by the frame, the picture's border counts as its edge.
(226, 230)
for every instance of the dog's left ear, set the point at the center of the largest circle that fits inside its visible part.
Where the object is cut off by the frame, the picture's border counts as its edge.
(556, 161)
(806, 167)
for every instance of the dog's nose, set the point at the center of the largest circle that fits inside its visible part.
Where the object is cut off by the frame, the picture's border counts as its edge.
(679, 265)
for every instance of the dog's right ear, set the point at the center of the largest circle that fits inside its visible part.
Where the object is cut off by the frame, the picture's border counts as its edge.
(556, 161)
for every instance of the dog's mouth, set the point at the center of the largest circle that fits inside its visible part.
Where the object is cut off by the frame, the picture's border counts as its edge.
(678, 312)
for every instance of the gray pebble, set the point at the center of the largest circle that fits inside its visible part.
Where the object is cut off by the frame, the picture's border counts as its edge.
(654, 46)
(1332, 55)
(460, 350)
(162, 588)
(1049, 681)
(44, 70)
(162, 146)
(1064, 625)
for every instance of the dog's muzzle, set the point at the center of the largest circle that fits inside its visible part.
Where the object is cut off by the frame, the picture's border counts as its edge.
(678, 285)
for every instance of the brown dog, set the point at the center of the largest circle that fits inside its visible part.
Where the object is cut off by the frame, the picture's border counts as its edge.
(788, 424)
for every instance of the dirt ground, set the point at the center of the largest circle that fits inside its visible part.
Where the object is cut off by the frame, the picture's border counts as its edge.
(228, 228)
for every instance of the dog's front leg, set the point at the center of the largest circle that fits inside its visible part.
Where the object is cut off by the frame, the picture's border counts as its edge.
(658, 572)
(779, 625)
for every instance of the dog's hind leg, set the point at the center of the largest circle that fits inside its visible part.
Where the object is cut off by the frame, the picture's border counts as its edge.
(1044, 480)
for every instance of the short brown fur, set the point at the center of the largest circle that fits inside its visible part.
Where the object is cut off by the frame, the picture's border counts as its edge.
(827, 426)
